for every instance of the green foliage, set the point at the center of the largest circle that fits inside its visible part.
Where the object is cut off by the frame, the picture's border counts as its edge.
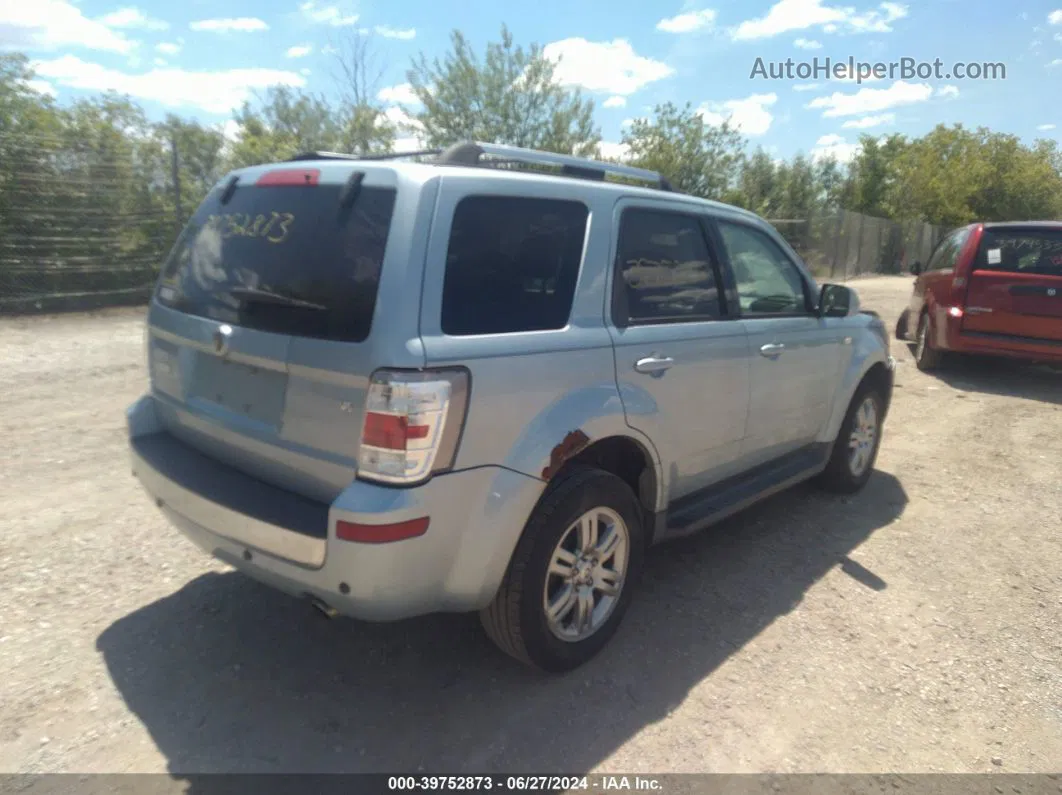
(285, 122)
(698, 158)
(511, 96)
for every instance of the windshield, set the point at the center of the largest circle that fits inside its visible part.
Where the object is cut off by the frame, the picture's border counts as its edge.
(285, 259)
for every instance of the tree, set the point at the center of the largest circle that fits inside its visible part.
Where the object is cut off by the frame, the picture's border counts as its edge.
(287, 121)
(699, 158)
(511, 96)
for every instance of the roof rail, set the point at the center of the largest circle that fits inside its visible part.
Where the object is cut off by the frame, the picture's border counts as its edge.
(470, 154)
(341, 156)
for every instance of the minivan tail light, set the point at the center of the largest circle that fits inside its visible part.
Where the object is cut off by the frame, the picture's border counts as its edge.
(412, 424)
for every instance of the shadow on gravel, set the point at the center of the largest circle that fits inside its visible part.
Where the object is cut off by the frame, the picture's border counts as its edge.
(1006, 377)
(229, 676)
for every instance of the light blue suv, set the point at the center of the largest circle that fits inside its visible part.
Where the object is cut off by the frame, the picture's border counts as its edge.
(458, 384)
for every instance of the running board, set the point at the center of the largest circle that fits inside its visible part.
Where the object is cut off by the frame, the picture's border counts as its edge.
(721, 500)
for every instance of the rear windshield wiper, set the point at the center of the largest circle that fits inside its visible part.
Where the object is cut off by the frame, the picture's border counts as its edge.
(255, 295)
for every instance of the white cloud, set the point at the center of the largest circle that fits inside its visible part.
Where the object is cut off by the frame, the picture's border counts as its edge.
(133, 18)
(1055, 17)
(160, 62)
(948, 91)
(241, 24)
(613, 151)
(46, 88)
(402, 93)
(688, 22)
(299, 51)
(51, 24)
(231, 130)
(808, 44)
(399, 117)
(607, 67)
(304, 72)
(805, 86)
(834, 146)
(214, 92)
(327, 15)
(872, 100)
(626, 123)
(169, 47)
(1045, 127)
(404, 34)
(867, 122)
(749, 115)
(789, 15)
(615, 102)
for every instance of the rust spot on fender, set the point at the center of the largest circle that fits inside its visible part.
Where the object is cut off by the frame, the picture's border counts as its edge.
(570, 446)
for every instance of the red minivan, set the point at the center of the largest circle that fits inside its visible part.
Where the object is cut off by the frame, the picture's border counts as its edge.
(989, 289)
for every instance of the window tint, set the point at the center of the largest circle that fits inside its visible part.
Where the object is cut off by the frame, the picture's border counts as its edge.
(283, 259)
(512, 264)
(666, 273)
(767, 280)
(944, 257)
(1036, 251)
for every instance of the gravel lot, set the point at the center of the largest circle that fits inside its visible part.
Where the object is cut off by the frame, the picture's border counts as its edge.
(912, 628)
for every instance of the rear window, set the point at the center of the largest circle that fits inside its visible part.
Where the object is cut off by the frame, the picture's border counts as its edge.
(285, 259)
(512, 265)
(1034, 251)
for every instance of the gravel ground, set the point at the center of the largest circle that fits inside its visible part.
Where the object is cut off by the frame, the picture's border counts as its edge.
(912, 628)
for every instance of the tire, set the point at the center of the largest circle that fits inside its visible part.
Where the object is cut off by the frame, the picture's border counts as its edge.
(927, 358)
(517, 620)
(841, 474)
(901, 325)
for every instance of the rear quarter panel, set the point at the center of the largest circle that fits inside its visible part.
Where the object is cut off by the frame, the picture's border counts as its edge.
(533, 394)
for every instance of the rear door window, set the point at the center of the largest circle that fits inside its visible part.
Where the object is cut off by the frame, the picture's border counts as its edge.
(1030, 251)
(666, 271)
(283, 259)
(512, 264)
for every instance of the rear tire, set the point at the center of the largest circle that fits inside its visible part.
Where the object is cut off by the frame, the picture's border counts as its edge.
(856, 447)
(927, 358)
(563, 562)
(901, 325)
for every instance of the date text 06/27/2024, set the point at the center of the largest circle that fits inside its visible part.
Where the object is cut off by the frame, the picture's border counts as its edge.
(522, 783)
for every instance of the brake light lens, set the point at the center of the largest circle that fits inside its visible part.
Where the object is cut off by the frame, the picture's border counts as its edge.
(290, 176)
(412, 424)
(955, 311)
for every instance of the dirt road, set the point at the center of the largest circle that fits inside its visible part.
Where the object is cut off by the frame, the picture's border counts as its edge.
(915, 627)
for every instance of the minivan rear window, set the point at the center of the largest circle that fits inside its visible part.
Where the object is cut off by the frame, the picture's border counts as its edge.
(283, 259)
(1033, 251)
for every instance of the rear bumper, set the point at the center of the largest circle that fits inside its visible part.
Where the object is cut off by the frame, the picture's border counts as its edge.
(289, 542)
(961, 341)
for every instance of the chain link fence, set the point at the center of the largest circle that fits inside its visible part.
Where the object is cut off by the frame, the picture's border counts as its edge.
(83, 223)
(88, 223)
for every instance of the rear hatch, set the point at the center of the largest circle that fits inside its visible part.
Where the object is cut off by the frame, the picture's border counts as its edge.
(257, 336)
(1015, 287)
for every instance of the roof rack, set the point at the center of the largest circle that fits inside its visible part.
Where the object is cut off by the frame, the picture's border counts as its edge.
(471, 154)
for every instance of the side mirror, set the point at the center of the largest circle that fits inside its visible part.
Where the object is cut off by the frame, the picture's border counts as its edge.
(836, 300)
(916, 268)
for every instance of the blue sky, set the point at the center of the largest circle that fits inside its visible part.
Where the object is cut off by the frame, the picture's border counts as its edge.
(202, 59)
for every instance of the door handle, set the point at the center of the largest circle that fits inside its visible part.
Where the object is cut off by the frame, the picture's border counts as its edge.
(772, 350)
(653, 364)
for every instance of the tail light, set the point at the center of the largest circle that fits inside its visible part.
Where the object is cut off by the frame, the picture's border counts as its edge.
(412, 425)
